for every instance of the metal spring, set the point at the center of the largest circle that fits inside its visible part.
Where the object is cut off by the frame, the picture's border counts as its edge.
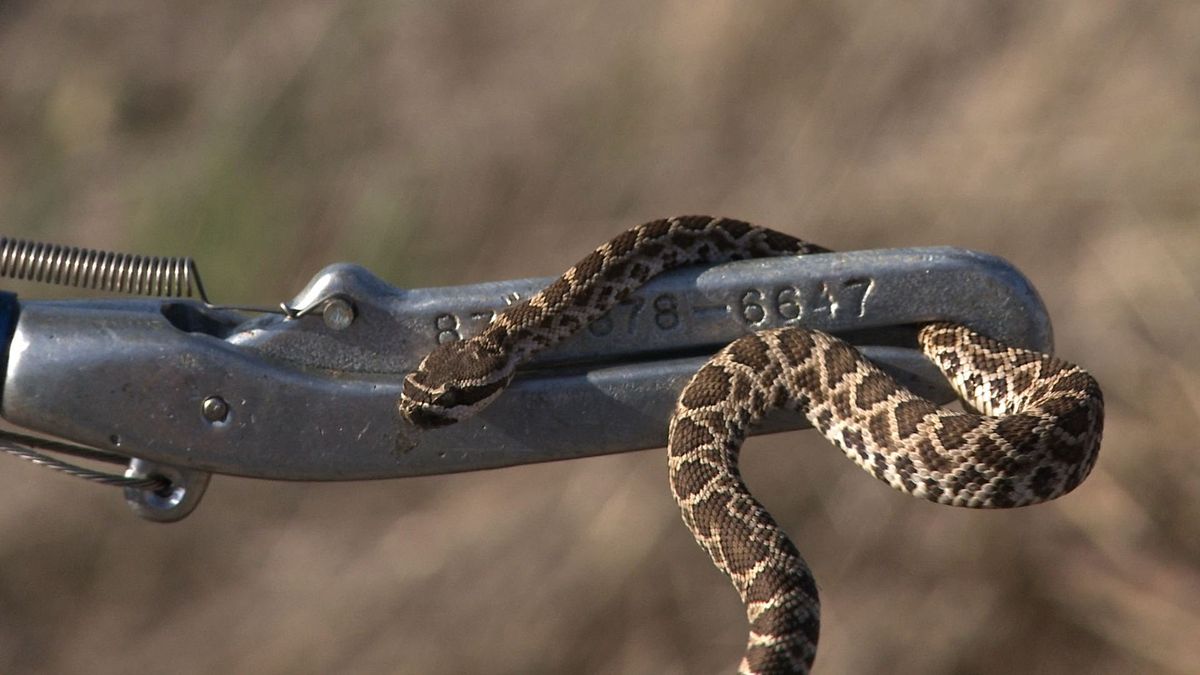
(100, 270)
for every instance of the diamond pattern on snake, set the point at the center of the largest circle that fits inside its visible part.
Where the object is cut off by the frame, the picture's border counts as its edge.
(1033, 432)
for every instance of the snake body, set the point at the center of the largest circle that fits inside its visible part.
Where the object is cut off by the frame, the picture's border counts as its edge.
(1035, 436)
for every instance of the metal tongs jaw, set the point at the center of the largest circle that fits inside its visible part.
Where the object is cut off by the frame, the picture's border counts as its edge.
(186, 389)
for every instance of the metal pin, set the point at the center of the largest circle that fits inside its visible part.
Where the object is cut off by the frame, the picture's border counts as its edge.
(338, 313)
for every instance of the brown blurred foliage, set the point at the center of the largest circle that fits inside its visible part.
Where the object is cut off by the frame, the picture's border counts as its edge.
(441, 142)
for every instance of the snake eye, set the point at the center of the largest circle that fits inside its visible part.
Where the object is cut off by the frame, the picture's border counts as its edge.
(447, 400)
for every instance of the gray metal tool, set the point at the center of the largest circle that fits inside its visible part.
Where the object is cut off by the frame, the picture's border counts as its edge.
(180, 388)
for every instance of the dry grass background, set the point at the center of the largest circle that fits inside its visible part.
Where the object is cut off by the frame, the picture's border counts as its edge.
(455, 142)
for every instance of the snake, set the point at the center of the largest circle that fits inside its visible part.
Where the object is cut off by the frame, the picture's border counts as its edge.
(1029, 432)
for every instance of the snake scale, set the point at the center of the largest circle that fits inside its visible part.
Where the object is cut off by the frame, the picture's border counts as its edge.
(1035, 436)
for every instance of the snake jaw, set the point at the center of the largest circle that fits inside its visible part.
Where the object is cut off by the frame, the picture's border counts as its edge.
(424, 418)
(416, 404)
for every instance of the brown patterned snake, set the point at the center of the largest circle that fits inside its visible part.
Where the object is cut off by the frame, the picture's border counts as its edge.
(1036, 438)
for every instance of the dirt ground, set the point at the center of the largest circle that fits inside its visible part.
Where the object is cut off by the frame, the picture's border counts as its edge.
(453, 142)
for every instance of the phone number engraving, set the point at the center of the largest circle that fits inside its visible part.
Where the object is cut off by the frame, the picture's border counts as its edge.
(793, 304)
(667, 312)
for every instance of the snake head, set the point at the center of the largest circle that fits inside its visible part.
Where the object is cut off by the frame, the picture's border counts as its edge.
(455, 381)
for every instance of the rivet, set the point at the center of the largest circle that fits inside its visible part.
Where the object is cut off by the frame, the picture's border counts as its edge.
(215, 409)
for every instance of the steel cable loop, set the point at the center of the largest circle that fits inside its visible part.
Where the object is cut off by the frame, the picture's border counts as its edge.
(33, 449)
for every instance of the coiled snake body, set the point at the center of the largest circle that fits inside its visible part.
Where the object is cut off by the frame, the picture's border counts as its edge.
(1035, 438)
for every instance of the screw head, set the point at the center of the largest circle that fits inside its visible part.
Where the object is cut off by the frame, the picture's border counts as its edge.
(338, 313)
(215, 409)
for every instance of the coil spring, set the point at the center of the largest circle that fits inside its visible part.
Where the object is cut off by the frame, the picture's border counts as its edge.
(100, 270)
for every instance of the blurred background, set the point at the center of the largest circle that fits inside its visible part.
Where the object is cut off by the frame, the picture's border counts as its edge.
(455, 142)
